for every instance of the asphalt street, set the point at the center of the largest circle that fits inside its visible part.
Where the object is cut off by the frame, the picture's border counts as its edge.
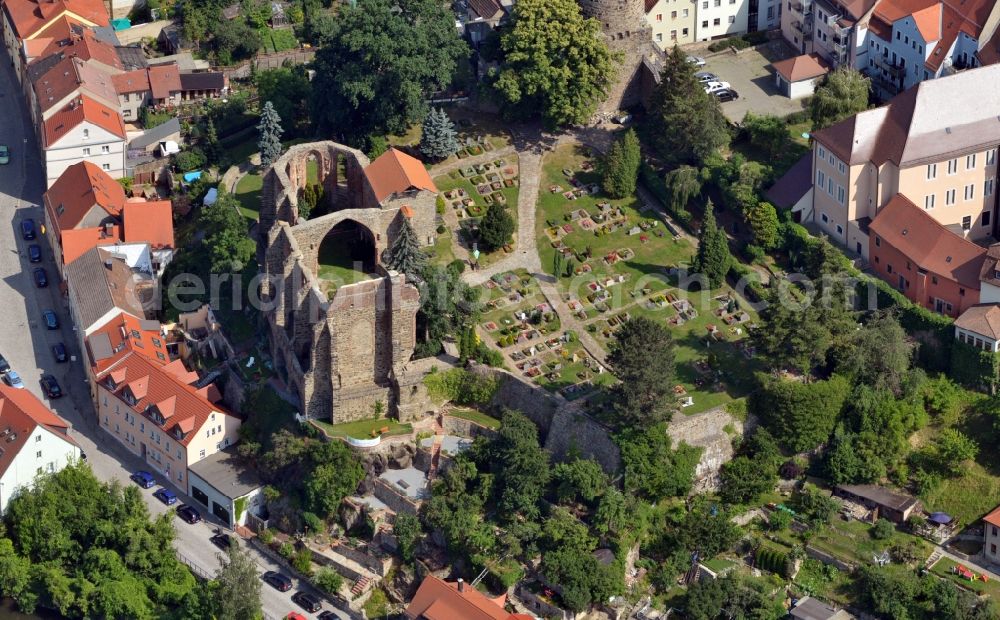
(26, 343)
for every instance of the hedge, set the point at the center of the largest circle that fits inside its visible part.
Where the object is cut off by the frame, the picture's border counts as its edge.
(754, 289)
(974, 368)
(772, 560)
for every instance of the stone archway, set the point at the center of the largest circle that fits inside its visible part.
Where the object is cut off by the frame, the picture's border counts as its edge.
(347, 253)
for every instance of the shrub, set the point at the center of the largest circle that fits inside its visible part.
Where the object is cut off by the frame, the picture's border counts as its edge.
(753, 252)
(883, 529)
(461, 386)
(772, 560)
(267, 536)
(189, 160)
(328, 580)
(313, 523)
(286, 550)
(302, 561)
(440, 205)
(442, 229)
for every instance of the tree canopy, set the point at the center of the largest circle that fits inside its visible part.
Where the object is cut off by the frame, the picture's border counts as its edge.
(269, 135)
(685, 123)
(844, 92)
(405, 255)
(90, 549)
(621, 166)
(554, 61)
(642, 357)
(378, 63)
(713, 259)
(496, 227)
(438, 139)
(802, 415)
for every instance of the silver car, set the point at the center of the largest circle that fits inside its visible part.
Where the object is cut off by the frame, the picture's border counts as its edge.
(697, 61)
(706, 76)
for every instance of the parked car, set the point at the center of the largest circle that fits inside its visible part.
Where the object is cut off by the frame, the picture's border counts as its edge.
(726, 94)
(328, 615)
(282, 583)
(13, 379)
(622, 119)
(59, 352)
(307, 601)
(51, 386)
(4, 364)
(34, 253)
(294, 615)
(189, 514)
(711, 87)
(697, 61)
(706, 76)
(4, 155)
(222, 541)
(50, 319)
(41, 278)
(166, 496)
(143, 479)
(28, 229)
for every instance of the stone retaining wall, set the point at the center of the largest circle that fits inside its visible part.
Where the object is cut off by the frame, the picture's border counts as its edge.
(465, 428)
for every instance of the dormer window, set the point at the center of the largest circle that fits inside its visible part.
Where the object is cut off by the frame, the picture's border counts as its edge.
(128, 396)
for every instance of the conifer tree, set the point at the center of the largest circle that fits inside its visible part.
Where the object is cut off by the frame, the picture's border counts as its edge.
(713, 257)
(212, 150)
(621, 166)
(496, 227)
(269, 135)
(405, 256)
(438, 139)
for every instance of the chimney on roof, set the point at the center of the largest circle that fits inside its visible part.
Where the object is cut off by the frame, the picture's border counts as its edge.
(108, 229)
(461, 585)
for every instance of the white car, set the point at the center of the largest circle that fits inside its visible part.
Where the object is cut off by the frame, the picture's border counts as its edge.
(697, 61)
(711, 87)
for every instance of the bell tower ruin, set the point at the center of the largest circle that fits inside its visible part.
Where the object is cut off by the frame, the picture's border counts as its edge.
(623, 23)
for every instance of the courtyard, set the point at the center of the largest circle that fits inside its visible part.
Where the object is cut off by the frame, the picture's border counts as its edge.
(749, 74)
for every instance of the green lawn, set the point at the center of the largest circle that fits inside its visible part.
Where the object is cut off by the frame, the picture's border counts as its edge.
(476, 416)
(943, 568)
(248, 193)
(967, 498)
(852, 541)
(365, 429)
(645, 277)
(278, 40)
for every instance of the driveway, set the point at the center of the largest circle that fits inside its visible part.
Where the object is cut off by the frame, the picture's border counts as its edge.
(26, 343)
(749, 75)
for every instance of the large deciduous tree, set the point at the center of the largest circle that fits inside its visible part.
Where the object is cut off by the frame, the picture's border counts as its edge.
(652, 468)
(438, 138)
(269, 135)
(237, 595)
(288, 89)
(554, 62)
(379, 62)
(642, 356)
(685, 122)
(843, 93)
(621, 166)
(713, 258)
(802, 415)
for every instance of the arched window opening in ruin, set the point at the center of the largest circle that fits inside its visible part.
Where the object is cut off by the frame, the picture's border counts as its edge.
(347, 255)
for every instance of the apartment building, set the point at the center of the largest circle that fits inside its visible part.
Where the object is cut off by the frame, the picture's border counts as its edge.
(922, 259)
(915, 40)
(716, 19)
(25, 21)
(672, 21)
(935, 144)
(154, 412)
(153, 86)
(835, 30)
(33, 441)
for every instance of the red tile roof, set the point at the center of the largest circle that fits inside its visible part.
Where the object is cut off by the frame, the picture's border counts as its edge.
(149, 222)
(66, 37)
(151, 385)
(164, 80)
(994, 517)
(122, 335)
(29, 17)
(20, 413)
(395, 172)
(87, 110)
(931, 246)
(439, 600)
(968, 16)
(76, 242)
(77, 191)
(804, 67)
(136, 81)
(74, 76)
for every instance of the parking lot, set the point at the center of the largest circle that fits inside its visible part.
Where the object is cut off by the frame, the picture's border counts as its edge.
(749, 75)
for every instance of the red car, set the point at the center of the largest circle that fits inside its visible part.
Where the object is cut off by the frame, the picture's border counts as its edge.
(294, 615)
